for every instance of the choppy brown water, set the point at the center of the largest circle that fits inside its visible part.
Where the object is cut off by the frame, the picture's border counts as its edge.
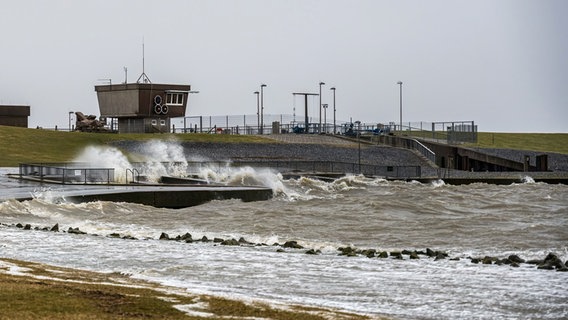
(528, 219)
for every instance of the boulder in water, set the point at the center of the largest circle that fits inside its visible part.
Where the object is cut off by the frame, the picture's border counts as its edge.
(292, 244)
(516, 259)
(230, 242)
(75, 231)
(552, 262)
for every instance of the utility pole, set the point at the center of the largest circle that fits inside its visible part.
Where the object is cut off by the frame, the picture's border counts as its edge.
(257, 112)
(262, 108)
(334, 129)
(320, 84)
(306, 124)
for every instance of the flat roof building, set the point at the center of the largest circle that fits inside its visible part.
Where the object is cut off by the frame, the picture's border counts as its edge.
(15, 116)
(142, 107)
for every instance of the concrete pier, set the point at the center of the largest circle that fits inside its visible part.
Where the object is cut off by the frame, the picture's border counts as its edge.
(174, 197)
(171, 192)
(157, 196)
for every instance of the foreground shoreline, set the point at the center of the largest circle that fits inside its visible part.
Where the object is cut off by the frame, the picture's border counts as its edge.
(34, 290)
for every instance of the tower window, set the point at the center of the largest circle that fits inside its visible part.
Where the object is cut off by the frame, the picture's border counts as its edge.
(174, 99)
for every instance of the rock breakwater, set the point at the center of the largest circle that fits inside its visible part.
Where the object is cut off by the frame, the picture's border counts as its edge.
(550, 262)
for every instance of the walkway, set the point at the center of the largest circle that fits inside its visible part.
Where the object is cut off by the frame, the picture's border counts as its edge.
(311, 139)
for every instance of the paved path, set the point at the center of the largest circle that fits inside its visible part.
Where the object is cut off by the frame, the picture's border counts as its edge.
(311, 139)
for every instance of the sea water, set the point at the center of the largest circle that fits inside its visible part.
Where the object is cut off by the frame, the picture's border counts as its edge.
(477, 220)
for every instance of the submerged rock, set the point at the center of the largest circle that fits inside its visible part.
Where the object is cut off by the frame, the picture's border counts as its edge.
(230, 242)
(243, 241)
(164, 236)
(396, 255)
(186, 237)
(552, 262)
(516, 259)
(75, 231)
(347, 251)
(369, 253)
(440, 256)
(292, 244)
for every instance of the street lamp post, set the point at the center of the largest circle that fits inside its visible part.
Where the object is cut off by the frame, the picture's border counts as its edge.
(334, 129)
(400, 85)
(257, 111)
(320, 84)
(262, 108)
(325, 117)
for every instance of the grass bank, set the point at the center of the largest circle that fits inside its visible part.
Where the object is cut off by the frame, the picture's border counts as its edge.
(19, 145)
(36, 291)
(544, 142)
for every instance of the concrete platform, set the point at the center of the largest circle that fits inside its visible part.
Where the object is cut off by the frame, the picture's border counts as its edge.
(157, 196)
(178, 193)
(174, 197)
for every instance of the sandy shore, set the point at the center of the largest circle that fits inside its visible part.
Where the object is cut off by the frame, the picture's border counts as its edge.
(36, 291)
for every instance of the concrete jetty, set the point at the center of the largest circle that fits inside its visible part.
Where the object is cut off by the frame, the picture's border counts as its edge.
(160, 196)
(170, 192)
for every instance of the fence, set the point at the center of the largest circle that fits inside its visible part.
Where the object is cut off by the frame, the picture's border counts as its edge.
(451, 132)
(312, 167)
(67, 173)
(271, 124)
(74, 173)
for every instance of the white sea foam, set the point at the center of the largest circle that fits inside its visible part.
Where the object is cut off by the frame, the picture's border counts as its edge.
(167, 158)
(162, 158)
(528, 179)
(106, 157)
(438, 183)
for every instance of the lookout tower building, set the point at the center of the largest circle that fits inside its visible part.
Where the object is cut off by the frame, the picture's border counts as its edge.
(142, 107)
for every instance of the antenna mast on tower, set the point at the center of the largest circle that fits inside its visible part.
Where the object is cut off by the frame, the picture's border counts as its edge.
(143, 76)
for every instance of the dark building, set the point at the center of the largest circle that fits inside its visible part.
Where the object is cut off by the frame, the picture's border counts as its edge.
(15, 116)
(142, 107)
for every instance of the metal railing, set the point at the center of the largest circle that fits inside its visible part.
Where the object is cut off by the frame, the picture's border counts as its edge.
(311, 167)
(407, 143)
(71, 173)
(66, 173)
(135, 175)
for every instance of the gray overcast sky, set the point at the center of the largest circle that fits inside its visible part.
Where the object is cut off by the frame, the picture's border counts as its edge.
(501, 63)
